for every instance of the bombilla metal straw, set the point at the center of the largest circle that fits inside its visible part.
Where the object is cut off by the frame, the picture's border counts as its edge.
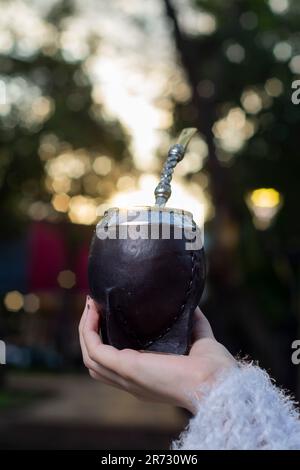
(176, 153)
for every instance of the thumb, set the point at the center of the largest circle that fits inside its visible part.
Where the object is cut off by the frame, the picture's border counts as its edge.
(93, 317)
(201, 326)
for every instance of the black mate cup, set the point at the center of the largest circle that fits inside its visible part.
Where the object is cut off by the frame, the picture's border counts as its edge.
(146, 274)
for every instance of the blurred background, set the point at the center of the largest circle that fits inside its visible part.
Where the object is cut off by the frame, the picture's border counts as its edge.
(92, 95)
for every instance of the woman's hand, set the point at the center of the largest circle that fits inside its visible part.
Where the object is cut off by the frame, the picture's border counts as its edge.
(153, 376)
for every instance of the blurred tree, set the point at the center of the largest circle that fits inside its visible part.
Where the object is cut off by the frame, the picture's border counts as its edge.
(240, 68)
(50, 111)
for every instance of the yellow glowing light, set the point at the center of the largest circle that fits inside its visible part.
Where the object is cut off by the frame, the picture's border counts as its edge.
(60, 202)
(264, 204)
(14, 301)
(82, 210)
(31, 303)
(66, 279)
(102, 165)
(265, 197)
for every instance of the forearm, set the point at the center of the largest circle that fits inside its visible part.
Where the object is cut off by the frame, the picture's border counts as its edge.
(242, 410)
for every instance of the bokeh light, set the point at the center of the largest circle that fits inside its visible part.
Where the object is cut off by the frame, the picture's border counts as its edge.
(14, 301)
(31, 303)
(102, 165)
(274, 87)
(235, 53)
(264, 204)
(233, 130)
(251, 101)
(66, 279)
(279, 6)
(60, 202)
(82, 210)
(72, 165)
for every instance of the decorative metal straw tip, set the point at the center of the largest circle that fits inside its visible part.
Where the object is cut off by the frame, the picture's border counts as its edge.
(176, 153)
(185, 136)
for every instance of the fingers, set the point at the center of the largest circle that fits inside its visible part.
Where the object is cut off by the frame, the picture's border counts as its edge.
(103, 360)
(101, 353)
(82, 319)
(96, 371)
(201, 326)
